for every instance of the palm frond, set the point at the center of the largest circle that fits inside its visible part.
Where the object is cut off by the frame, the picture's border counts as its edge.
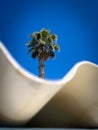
(29, 44)
(45, 33)
(49, 40)
(56, 47)
(30, 50)
(38, 35)
(52, 54)
(34, 54)
(54, 37)
(41, 42)
(51, 47)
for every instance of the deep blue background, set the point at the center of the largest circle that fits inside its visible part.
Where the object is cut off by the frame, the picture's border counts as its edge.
(74, 21)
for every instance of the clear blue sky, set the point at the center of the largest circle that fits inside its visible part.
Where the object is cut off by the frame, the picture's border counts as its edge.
(74, 21)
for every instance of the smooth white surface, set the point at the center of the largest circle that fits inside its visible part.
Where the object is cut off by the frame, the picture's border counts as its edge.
(22, 94)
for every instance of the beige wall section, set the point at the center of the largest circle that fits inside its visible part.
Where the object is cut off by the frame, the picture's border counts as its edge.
(21, 95)
(74, 98)
(76, 104)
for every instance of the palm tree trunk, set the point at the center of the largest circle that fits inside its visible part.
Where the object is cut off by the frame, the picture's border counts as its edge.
(41, 68)
(41, 63)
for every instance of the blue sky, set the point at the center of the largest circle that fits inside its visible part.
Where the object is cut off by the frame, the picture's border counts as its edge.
(74, 21)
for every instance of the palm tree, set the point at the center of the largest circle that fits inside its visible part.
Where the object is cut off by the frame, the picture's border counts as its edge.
(42, 46)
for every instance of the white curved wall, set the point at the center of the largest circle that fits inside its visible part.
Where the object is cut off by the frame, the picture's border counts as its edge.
(74, 98)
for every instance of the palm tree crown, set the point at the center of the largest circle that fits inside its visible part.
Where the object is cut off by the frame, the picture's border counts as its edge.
(43, 46)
